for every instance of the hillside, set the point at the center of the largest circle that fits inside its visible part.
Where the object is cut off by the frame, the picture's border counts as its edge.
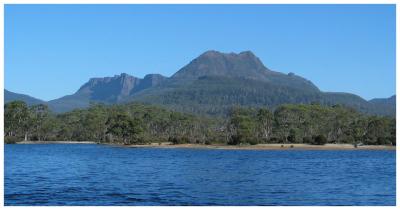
(214, 82)
(11, 96)
(211, 84)
(385, 106)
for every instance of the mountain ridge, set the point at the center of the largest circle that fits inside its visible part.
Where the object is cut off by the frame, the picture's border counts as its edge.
(12, 96)
(210, 84)
(107, 90)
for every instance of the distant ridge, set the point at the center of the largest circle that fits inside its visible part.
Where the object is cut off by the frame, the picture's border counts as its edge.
(108, 90)
(11, 96)
(211, 84)
(387, 104)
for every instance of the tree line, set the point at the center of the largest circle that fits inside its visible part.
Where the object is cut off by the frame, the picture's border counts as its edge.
(311, 124)
(138, 123)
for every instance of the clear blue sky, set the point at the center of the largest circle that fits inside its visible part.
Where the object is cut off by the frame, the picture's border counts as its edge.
(51, 50)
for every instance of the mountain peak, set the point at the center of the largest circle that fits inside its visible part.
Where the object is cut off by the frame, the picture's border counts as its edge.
(123, 75)
(247, 53)
(215, 53)
(211, 53)
(215, 63)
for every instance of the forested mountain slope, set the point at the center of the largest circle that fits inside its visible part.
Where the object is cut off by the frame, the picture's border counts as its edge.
(213, 83)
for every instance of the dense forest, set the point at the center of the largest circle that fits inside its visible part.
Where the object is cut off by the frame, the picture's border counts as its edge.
(215, 95)
(137, 123)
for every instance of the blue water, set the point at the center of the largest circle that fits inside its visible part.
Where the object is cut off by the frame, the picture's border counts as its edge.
(73, 174)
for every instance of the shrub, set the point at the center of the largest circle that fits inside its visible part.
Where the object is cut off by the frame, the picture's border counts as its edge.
(234, 140)
(319, 140)
(253, 142)
(11, 139)
(179, 140)
(383, 141)
(307, 140)
(393, 141)
(274, 140)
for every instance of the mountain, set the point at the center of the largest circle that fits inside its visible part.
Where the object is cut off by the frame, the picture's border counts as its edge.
(211, 84)
(391, 101)
(387, 106)
(107, 90)
(244, 65)
(214, 82)
(11, 96)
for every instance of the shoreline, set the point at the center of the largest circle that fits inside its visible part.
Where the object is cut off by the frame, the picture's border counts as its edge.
(231, 147)
(56, 142)
(269, 147)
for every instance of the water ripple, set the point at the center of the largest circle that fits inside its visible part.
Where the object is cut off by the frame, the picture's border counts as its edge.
(101, 175)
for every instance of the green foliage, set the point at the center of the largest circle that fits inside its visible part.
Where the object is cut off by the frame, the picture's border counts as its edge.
(16, 118)
(43, 121)
(124, 128)
(380, 131)
(242, 127)
(179, 140)
(311, 124)
(11, 140)
(215, 95)
(319, 140)
(138, 123)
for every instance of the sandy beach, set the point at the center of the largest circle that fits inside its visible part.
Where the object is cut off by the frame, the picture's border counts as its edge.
(56, 142)
(233, 147)
(270, 147)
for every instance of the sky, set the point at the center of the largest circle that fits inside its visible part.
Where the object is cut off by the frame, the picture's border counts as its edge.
(51, 50)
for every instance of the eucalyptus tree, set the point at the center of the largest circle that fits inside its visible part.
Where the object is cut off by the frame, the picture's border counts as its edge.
(265, 120)
(16, 119)
(124, 128)
(41, 118)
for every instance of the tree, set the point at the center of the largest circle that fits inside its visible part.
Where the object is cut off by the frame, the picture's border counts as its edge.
(265, 123)
(242, 127)
(41, 120)
(136, 123)
(292, 136)
(377, 130)
(358, 129)
(95, 122)
(392, 130)
(124, 127)
(16, 119)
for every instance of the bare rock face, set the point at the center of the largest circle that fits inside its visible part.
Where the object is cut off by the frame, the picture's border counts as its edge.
(148, 81)
(115, 89)
(109, 89)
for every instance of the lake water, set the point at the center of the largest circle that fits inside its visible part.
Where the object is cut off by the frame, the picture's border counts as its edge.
(76, 174)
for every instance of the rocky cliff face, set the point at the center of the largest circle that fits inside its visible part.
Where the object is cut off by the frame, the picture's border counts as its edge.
(115, 89)
(108, 90)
